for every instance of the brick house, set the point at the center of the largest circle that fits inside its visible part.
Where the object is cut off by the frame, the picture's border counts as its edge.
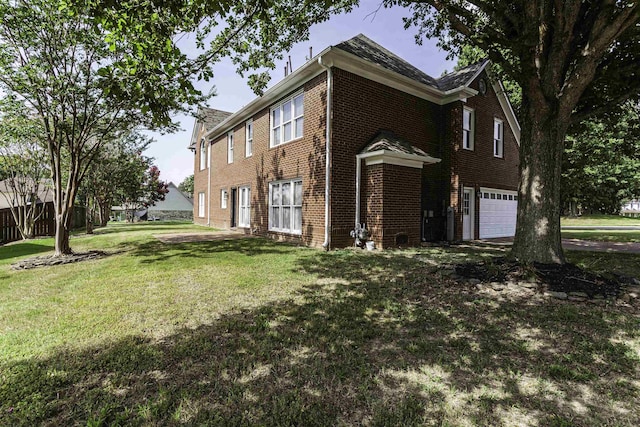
(357, 135)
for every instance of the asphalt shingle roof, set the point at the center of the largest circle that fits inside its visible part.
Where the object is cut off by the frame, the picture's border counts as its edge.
(210, 118)
(388, 141)
(460, 77)
(365, 48)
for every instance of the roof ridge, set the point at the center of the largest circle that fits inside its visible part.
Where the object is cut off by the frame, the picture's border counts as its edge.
(380, 55)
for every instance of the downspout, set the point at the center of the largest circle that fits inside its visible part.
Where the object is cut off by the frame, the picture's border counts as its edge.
(327, 178)
(358, 173)
(208, 184)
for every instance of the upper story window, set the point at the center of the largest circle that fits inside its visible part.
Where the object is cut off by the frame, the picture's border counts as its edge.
(248, 147)
(287, 120)
(468, 125)
(230, 147)
(498, 138)
(203, 154)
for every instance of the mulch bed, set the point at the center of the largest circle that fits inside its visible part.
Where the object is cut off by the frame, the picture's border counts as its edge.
(46, 261)
(565, 278)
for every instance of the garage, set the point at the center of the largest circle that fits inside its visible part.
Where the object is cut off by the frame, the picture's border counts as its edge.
(498, 209)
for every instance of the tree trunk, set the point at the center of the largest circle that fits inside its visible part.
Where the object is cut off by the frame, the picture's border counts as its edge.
(63, 228)
(105, 208)
(537, 236)
(88, 216)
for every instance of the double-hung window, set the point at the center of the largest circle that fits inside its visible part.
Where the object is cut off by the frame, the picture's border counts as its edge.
(244, 219)
(468, 118)
(230, 147)
(248, 147)
(201, 205)
(287, 120)
(285, 206)
(224, 196)
(498, 138)
(203, 154)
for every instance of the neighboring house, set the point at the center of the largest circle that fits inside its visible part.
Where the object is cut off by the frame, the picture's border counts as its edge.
(175, 206)
(44, 225)
(631, 208)
(358, 135)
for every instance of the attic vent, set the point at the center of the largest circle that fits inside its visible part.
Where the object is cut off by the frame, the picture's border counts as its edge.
(402, 239)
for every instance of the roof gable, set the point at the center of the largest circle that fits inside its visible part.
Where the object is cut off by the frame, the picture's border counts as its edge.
(462, 77)
(207, 118)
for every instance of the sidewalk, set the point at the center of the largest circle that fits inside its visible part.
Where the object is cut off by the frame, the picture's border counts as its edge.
(578, 245)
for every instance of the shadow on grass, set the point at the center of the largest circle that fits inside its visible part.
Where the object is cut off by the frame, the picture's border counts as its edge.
(379, 340)
(24, 248)
(153, 226)
(157, 251)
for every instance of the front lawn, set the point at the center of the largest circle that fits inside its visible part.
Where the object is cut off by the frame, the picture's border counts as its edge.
(251, 332)
(589, 220)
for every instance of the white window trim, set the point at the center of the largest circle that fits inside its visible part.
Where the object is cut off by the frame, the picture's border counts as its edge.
(224, 198)
(201, 204)
(498, 142)
(203, 154)
(472, 130)
(292, 205)
(230, 144)
(244, 211)
(294, 117)
(248, 143)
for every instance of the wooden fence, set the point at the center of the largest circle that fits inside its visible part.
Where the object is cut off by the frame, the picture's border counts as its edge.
(44, 226)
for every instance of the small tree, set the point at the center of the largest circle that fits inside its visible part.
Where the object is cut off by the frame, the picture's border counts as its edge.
(23, 166)
(118, 162)
(143, 191)
(186, 186)
(69, 71)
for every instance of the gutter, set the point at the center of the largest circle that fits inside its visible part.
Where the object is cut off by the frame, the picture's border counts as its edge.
(327, 179)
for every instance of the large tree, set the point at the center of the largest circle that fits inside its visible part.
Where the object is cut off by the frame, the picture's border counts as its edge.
(69, 71)
(601, 160)
(571, 58)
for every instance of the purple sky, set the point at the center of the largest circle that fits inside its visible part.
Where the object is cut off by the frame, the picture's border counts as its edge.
(386, 28)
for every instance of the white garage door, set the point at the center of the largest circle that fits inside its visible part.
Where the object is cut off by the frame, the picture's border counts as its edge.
(498, 210)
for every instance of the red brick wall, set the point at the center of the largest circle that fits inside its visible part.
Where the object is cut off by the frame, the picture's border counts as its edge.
(362, 108)
(303, 158)
(479, 168)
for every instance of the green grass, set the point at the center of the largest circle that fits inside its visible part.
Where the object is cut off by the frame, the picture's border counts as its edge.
(599, 220)
(607, 262)
(251, 332)
(630, 236)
